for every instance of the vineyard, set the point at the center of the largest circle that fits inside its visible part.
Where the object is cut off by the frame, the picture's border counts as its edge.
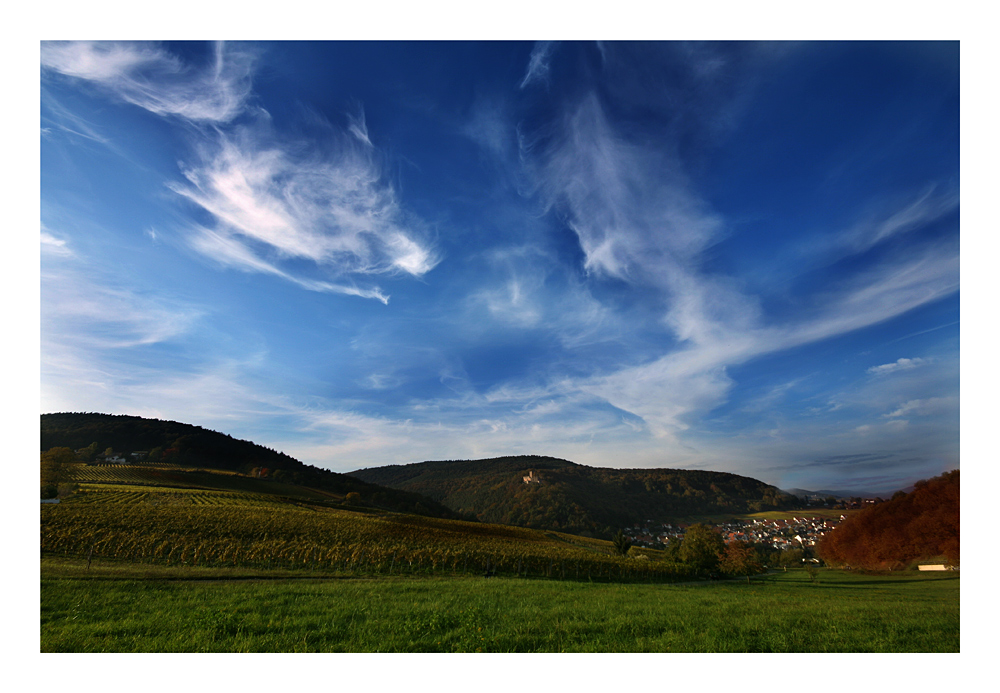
(210, 527)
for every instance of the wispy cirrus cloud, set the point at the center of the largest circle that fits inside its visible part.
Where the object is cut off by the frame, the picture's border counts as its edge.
(629, 205)
(275, 201)
(83, 313)
(639, 220)
(231, 252)
(538, 63)
(332, 207)
(148, 76)
(673, 387)
(927, 207)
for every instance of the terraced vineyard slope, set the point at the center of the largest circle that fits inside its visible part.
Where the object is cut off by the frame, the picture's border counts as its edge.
(133, 514)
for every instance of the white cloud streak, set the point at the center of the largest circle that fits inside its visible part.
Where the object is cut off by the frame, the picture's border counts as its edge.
(928, 207)
(902, 364)
(54, 246)
(229, 251)
(149, 77)
(333, 209)
(924, 407)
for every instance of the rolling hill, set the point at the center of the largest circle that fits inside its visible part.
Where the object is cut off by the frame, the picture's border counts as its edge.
(191, 447)
(574, 498)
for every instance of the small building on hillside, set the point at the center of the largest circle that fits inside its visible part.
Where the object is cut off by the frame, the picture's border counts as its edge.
(531, 478)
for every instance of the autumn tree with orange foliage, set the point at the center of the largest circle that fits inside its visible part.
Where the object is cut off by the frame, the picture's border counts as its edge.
(739, 559)
(889, 535)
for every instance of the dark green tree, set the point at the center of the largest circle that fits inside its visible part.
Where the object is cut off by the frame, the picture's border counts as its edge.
(790, 557)
(90, 452)
(621, 543)
(701, 547)
(52, 462)
(672, 552)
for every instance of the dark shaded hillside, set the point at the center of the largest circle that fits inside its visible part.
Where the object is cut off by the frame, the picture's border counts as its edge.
(193, 446)
(575, 498)
(911, 526)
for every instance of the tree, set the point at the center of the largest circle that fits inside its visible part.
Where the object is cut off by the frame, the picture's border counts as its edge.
(621, 543)
(52, 462)
(790, 557)
(740, 558)
(90, 452)
(701, 547)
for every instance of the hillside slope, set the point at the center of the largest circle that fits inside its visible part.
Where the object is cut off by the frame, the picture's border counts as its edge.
(163, 515)
(575, 498)
(186, 445)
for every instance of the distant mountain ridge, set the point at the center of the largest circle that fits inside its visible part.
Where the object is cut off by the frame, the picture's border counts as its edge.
(565, 496)
(801, 492)
(194, 446)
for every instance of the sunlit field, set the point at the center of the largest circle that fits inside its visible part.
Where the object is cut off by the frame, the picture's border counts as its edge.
(127, 608)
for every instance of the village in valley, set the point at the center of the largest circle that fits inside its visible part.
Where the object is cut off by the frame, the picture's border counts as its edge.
(798, 532)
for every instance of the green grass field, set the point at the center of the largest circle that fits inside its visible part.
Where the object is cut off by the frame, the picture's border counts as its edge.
(128, 608)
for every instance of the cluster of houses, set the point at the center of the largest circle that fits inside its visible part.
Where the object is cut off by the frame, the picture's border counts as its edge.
(798, 532)
(118, 457)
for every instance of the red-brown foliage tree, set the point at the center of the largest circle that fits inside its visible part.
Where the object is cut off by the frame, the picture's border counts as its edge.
(920, 524)
(739, 559)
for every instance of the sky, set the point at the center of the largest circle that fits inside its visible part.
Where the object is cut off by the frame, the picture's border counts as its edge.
(732, 256)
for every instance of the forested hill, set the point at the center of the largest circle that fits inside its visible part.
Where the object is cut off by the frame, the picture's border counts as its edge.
(192, 446)
(575, 498)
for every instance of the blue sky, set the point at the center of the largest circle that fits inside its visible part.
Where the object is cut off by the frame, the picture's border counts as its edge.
(740, 256)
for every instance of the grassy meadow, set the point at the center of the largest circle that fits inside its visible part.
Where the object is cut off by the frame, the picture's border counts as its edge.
(123, 608)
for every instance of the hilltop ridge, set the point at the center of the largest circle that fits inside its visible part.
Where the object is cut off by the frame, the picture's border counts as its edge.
(187, 445)
(570, 497)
